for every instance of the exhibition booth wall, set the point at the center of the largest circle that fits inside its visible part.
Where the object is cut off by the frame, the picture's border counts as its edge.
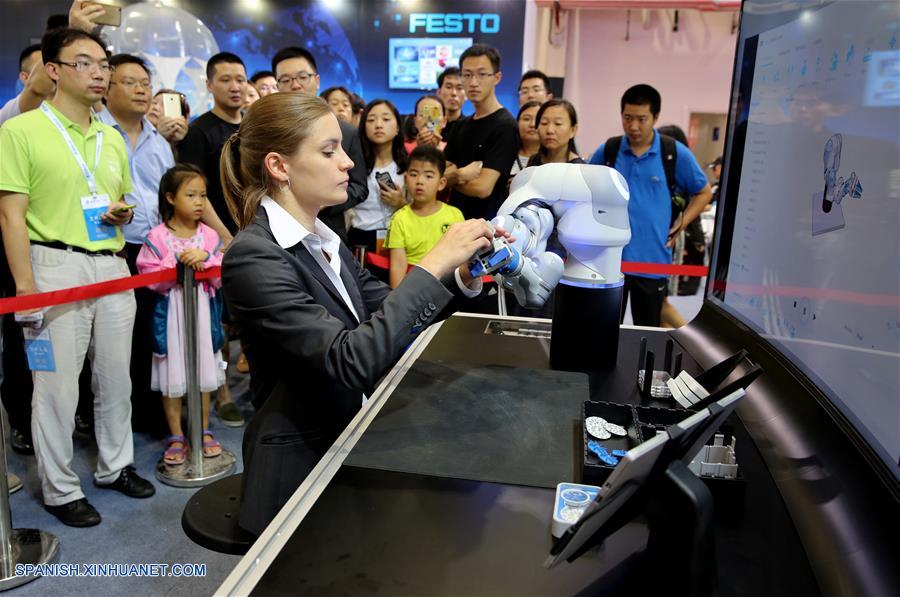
(596, 53)
(691, 67)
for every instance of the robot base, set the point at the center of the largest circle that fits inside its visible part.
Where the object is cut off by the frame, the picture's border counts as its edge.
(585, 331)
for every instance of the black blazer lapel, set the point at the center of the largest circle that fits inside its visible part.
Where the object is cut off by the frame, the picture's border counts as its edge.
(300, 252)
(348, 270)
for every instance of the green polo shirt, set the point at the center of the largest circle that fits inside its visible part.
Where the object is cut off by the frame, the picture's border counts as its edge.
(35, 160)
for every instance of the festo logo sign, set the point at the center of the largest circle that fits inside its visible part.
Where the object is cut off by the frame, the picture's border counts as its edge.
(438, 22)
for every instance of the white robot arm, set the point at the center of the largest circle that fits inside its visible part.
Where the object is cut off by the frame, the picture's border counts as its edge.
(589, 207)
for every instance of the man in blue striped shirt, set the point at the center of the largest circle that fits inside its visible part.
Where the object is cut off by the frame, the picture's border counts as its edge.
(149, 156)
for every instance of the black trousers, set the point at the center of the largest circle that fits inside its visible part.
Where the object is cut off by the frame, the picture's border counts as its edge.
(647, 296)
(17, 386)
(367, 238)
(146, 410)
(361, 238)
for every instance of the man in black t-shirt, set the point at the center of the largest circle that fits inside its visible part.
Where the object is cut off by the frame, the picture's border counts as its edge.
(226, 79)
(483, 146)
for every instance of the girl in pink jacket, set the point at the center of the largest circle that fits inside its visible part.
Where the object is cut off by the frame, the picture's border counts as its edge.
(183, 238)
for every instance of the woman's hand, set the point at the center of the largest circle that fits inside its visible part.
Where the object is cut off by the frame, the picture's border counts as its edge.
(391, 197)
(426, 137)
(461, 241)
(194, 258)
(171, 128)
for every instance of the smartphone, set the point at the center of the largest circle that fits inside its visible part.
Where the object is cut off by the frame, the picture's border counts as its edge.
(385, 179)
(433, 119)
(119, 210)
(31, 320)
(112, 17)
(171, 104)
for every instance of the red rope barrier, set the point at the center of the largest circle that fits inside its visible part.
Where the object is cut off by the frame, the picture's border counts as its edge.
(82, 293)
(629, 267)
(692, 271)
(91, 291)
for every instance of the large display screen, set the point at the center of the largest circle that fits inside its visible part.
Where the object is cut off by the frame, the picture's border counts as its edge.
(416, 62)
(808, 252)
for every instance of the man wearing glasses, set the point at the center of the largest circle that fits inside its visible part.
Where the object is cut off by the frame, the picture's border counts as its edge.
(483, 146)
(265, 82)
(534, 86)
(63, 178)
(149, 155)
(295, 70)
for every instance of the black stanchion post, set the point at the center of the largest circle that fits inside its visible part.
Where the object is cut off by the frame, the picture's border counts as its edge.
(197, 470)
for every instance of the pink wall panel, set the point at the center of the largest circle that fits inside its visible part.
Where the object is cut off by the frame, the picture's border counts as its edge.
(691, 68)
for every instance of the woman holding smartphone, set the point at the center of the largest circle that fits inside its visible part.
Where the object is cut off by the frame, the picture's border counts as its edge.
(319, 332)
(169, 113)
(382, 144)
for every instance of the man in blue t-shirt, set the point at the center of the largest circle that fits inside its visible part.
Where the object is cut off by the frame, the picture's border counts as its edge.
(640, 161)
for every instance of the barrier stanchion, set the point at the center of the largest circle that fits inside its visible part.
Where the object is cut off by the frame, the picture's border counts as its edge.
(19, 546)
(197, 470)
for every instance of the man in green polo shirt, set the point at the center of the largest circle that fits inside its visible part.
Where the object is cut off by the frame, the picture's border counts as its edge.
(62, 180)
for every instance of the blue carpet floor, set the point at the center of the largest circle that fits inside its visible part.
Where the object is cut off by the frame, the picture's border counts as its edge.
(141, 531)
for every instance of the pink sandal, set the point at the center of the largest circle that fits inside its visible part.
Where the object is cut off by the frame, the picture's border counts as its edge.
(174, 455)
(211, 447)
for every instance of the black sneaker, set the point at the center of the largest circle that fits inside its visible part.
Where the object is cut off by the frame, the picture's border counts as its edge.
(130, 484)
(229, 415)
(21, 442)
(84, 425)
(75, 514)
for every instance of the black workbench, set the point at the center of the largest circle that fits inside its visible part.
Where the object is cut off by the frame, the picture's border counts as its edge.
(449, 489)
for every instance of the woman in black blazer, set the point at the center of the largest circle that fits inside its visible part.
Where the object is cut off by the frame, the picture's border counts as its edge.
(318, 331)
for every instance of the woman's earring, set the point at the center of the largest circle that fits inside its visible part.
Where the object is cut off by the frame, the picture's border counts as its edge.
(288, 183)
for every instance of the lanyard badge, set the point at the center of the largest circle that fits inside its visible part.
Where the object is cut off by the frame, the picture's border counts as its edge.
(39, 349)
(96, 204)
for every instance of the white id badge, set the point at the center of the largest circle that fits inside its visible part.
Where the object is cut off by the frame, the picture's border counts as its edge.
(39, 349)
(93, 207)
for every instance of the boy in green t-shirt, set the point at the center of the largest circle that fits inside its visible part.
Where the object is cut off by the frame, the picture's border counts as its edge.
(417, 227)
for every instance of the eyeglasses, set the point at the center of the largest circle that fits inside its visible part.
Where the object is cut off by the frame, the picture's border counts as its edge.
(131, 83)
(262, 88)
(302, 77)
(468, 76)
(535, 89)
(86, 65)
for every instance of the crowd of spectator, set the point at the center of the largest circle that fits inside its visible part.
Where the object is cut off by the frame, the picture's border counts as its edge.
(100, 178)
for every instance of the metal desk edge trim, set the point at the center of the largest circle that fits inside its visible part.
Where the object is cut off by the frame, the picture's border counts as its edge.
(251, 568)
